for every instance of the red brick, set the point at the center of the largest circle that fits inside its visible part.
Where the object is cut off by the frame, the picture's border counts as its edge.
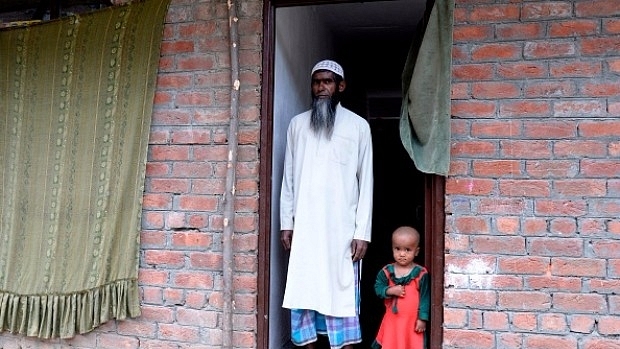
(536, 341)
(562, 69)
(600, 128)
(524, 300)
(585, 267)
(563, 226)
(164, 258)
(508, 225)
(524, 188)
(175, 332)
(578, 108)
(601, 343)
(469, 186)
(579, 303)
(474, 148)
(192, 279)
(552, 168)
(534, 226)
(546, 10)
(169, 185)
(546, 50)
(197, 317)
(471, 225)
(174, 81)
(522, 265)
(606, 249)
(524, 108)
(510, 340)
(468, 339)
(494, 90)
(176, 47)
(136, 328)
(603, 286)
(600, 89)
(153, 277)
(152, 220)
(495, 320)
(244, 339)
(603, 8)
(548, 89)
(206, 260)
(197, 203)
(496, 168)
(560, 207)
(565, 247)
(524, 321)
(582, 323)
(475, 109)
(494, 13)
(580, 149)
(194, 99)
(196, 299)
(611, 26)
(191, 240)
(502, 206)
(157, 201)
(468, 33)
(496, 51)
(521, 70)
(553, 283)
(152, 295)
(496, 129)
(455, 318)
(499, 245)
(549, 129)
(553, 323)
(570, 28)
(115, 341)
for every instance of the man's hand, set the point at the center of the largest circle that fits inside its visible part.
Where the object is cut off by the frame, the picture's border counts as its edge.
(358, 249)
(286, 236)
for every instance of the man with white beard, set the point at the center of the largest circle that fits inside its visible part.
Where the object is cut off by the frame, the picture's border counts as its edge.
(326, 213)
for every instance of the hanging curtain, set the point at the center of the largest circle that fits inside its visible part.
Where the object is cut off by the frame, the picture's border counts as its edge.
(76, 98)
(425, 110)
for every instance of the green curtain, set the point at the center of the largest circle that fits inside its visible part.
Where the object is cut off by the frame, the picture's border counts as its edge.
(425, 110)
(75, 111)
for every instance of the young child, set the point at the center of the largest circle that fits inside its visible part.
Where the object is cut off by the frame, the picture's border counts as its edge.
(405, 288)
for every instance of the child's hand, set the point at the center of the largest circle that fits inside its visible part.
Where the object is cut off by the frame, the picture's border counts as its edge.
(396, 291)
(420, 326)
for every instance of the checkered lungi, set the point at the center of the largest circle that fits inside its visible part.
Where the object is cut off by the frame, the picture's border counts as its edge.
(341, 331)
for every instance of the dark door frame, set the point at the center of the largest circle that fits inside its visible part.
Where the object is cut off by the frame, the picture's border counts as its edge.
(434, 193)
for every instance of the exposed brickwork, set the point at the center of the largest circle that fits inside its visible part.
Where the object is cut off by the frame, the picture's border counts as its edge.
(532, 199)
(533, 196)
(181, 243)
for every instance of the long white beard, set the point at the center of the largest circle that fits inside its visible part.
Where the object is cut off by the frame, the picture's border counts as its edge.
(323, 116)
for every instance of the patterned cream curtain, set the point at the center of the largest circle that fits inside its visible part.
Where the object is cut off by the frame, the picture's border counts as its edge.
(76, 98)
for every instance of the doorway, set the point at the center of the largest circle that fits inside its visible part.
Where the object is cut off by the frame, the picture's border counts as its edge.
(371, 41)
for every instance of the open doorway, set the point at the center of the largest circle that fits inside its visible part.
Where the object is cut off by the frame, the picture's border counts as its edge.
(371, 41)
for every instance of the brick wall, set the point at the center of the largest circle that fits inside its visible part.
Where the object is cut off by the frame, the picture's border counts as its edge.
(181, 271)
(533, 197)
(533, 238)
(181, 243)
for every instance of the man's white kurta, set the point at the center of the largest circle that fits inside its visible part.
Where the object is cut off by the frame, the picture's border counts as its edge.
(326, 200)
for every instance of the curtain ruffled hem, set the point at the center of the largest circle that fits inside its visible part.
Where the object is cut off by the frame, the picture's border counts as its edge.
(65, 315)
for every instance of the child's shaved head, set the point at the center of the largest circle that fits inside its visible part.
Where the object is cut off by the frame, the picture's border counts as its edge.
(407, 231)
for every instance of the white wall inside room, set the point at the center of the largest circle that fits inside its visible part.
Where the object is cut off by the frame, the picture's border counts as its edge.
(301, 41)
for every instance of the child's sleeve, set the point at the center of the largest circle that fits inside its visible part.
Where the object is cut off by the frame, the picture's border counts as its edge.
(424, 312)
(381, 284)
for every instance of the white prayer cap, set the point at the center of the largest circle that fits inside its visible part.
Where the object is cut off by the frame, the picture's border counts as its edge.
(328, 65)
